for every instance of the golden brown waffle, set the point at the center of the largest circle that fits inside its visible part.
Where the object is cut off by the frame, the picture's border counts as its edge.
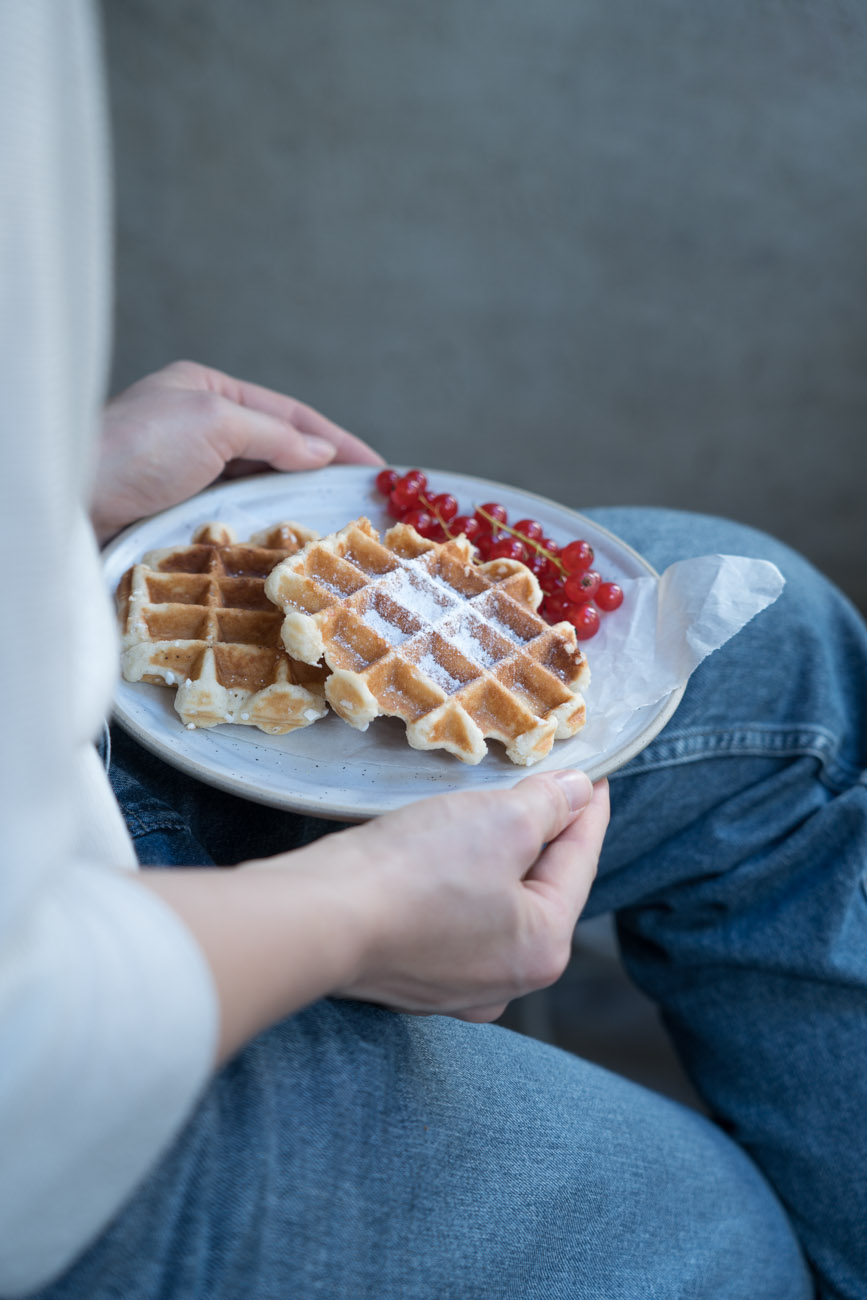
(415, 630)
(197, 617)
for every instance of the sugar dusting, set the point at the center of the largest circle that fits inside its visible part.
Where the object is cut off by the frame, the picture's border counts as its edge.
(411, 586)
(333, 587)
(505, 629)
(468, 627)
(466, 632)
(388, 631)
(433, 669)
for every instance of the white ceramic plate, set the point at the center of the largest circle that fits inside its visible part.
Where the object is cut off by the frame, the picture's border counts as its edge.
(329, 769)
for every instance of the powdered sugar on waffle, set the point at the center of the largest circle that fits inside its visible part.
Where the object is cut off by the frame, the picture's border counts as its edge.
(465, 631)
(389, 632)
(411, 586)
(414, 629)
(433, 669)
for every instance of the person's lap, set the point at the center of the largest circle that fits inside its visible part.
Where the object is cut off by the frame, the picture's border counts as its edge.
(351, 1152)
(397, 1156)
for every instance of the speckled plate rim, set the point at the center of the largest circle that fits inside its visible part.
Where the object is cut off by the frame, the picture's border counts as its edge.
(330, 770)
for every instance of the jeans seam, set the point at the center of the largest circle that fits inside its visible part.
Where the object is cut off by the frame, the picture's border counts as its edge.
(758, 741)
(138, 827)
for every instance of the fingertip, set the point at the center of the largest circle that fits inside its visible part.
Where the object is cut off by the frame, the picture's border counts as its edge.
(320, 450)
(358, 453)
(601, 792)
(576, 786)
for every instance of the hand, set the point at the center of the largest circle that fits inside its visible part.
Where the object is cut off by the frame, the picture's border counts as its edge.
(476, 895)
(453, 905)
(176, 431)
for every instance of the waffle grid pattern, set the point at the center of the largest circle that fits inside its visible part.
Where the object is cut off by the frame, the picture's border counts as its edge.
(196, 617)
(415, 630)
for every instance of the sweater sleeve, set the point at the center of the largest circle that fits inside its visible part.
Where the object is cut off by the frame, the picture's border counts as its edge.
(106, 1032)
(107, 1007)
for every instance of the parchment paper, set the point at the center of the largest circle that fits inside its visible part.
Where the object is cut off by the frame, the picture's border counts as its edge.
(671, 624)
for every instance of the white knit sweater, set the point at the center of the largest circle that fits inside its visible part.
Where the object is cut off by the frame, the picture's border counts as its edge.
(107, 1009)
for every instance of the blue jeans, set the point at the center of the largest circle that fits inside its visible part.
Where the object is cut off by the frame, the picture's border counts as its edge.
(352, 1152)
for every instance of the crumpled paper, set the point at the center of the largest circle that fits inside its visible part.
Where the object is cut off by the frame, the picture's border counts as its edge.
(673, 622)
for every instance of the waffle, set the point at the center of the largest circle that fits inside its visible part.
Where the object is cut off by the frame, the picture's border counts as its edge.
(414, 629)
(197, 617)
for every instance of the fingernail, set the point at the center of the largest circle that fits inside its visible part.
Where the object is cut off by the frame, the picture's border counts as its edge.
(319, 447)
(577, 787)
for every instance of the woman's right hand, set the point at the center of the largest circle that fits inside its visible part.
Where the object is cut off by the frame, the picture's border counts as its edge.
(453, 905)
(471, 899)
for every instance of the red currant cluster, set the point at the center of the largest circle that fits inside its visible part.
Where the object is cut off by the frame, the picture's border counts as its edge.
(573, 590)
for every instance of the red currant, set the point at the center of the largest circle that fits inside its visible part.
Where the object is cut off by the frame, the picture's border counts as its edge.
(385, 480)
(549, 545)
(406, 492)
(445, 506)
(550, 577)
(419, 519)
(395, 508)
(466, 524)
(529, 528)
(508, 548)
(483, 543)
(581, 587)
(609, 596)
(577, 556)
(554, 608)
(491, 510)
(585, 620)
(417, 476)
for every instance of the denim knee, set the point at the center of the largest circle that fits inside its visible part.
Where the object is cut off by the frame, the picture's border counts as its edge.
(792, 682)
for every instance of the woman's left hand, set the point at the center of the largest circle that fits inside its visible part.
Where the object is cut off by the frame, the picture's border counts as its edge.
(174, 432)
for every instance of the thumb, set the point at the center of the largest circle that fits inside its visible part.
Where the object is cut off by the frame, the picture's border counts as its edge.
(255, 435)
(567, 865)
(551, 800)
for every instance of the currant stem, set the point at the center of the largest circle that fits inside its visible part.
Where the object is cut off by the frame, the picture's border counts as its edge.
(431, 508)
(528, 541)
(498, 524)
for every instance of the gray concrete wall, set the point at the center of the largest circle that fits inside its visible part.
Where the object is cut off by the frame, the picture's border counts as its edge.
(609, 249)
